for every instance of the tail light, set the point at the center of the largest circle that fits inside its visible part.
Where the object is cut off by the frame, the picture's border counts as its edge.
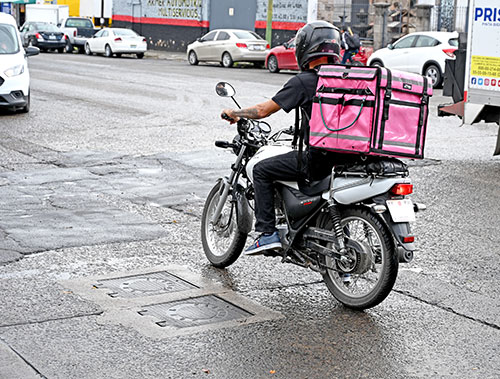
(118, 39)
(64, 37)
(402, 189)
(144, 40)
(268, 46)
(241, 45)
(38, 36)
(450, 52)
(408, 239)
(74, 33)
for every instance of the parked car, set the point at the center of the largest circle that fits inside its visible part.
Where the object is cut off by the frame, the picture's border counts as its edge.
(14, 74)
(116, 41)
(423, 53)
(283, 57)
(44, 35)
(77, 31)
(228, 46)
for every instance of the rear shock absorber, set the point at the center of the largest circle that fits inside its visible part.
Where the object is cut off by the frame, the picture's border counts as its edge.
(337, 227)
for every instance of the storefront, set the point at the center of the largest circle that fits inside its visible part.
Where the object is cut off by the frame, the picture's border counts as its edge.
(173, 24)
(16, 8)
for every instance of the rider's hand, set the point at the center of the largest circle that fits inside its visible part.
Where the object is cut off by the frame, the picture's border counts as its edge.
(229, 113)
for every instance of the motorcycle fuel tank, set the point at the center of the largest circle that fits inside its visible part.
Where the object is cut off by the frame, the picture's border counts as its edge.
(265, 152)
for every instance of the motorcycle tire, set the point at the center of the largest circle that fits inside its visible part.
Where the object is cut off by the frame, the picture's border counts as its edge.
(370, 234)
(223, 242)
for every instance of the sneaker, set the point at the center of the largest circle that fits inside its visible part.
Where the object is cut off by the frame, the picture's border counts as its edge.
(265, 241)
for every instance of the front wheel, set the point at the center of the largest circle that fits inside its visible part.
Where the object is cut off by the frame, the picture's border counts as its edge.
(87, 49)
(192, 58)
(222, 241)
(366, 278)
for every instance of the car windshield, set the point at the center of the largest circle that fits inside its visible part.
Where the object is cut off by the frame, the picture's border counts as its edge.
(46, 27)
(79, 23)
(125, 33)
(9, 43)
(453, 42)
(243, 34)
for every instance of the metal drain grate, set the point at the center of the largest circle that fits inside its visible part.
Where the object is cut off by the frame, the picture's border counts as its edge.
(194, 312)
(145, 285)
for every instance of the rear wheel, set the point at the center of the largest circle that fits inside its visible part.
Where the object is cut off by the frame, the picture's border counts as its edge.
(377, 64)
(222, 241)
(108, 52)
(87, 49)
(60, 50)
(227, 60)
(272, 64)
(140, 55)
(69, 47)
(192, 58)
(433, 72)
(368, 275)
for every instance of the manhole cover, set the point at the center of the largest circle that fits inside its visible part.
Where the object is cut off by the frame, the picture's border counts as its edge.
(145, 285)
(194, 312)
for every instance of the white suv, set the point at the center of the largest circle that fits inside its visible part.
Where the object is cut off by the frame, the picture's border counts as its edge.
(14, 74)
(423, 53)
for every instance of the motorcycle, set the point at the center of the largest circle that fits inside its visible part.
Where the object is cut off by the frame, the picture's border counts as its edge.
(352, 227)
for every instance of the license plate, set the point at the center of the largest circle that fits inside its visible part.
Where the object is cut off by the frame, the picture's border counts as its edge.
(133, 46)
(256, 47)
(52, 37)
(401, 210)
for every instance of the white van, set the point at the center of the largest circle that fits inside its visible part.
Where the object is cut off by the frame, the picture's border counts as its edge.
(14, 74)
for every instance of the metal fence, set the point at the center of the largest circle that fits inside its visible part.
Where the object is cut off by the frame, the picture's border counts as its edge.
(449, 18)
(354, 14)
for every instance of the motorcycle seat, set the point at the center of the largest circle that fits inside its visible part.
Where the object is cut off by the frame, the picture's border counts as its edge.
(316, 187)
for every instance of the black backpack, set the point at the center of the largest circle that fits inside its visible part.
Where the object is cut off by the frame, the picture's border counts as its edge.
(353, 41)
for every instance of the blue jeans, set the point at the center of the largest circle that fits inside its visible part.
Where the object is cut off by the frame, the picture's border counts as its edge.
(348, 54)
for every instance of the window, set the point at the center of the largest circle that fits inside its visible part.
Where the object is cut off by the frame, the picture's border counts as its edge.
(243, 34)
(8, 39)
(223, 36)
(99, 34)
(125, 33)
(208, 37)
(426, 41)
(453, 42)
(79, 23)
(405, 42)
(105, 33)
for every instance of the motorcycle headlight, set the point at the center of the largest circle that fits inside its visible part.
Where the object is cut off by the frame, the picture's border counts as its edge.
(14, 71)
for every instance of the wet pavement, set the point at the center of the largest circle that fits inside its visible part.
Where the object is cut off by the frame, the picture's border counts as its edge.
(101, 191)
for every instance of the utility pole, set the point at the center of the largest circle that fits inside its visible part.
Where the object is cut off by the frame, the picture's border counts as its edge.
(269, 25)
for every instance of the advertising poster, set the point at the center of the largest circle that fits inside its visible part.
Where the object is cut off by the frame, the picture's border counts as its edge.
(485, 46)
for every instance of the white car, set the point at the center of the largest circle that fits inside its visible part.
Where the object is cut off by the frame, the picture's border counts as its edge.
(14, 74)
(423, 53)
(116, 41)
(228, 46)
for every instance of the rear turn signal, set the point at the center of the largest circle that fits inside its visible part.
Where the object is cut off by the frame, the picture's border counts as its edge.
(402, 189)
(450, 52)
(242, 45)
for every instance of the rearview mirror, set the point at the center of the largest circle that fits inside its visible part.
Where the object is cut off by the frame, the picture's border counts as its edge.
(225, 89)
(390, 46)
(32, 50)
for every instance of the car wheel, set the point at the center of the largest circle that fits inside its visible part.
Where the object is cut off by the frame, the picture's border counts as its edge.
(108, 52)
(192, 58)
(434, 74)
(69, 47)
(26, 108)
(140, 55)
(357, 63)
(60, 50)
(227, 60)
(272, 64)
(377, 64)
(87, 49)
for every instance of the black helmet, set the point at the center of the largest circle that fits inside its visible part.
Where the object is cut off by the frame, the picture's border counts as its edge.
(314, 40)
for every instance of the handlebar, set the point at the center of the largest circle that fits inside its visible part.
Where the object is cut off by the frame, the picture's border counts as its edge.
(226, 117)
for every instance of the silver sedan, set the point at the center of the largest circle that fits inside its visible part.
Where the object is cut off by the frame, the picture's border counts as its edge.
(228, 46)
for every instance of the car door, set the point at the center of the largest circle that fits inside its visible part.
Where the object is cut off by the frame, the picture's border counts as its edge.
(93, 42)
(101, 41)
(422, 52)
(220, 45)
(398, 57)
(287, 56)
(206, 44)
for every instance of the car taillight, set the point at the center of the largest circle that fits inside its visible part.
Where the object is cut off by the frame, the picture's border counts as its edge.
(144, 40)
(118, 39)
(242, 45)
(450, 52)
(74, 33)
(268, 46)
(64, 37)
(402, 189)
(38, 36)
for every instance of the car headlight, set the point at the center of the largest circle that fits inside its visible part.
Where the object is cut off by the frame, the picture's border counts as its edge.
(14, 71)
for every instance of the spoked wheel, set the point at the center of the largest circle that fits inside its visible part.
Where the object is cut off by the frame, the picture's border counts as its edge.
(222, 242)
(227, 60)
(272, 64)
(108, 53)
(366, 278)
(434, 74)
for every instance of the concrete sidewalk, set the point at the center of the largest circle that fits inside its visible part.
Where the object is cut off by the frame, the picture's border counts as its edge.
(166, 55)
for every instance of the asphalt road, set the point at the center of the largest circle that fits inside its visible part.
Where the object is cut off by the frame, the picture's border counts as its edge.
(101, 191)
